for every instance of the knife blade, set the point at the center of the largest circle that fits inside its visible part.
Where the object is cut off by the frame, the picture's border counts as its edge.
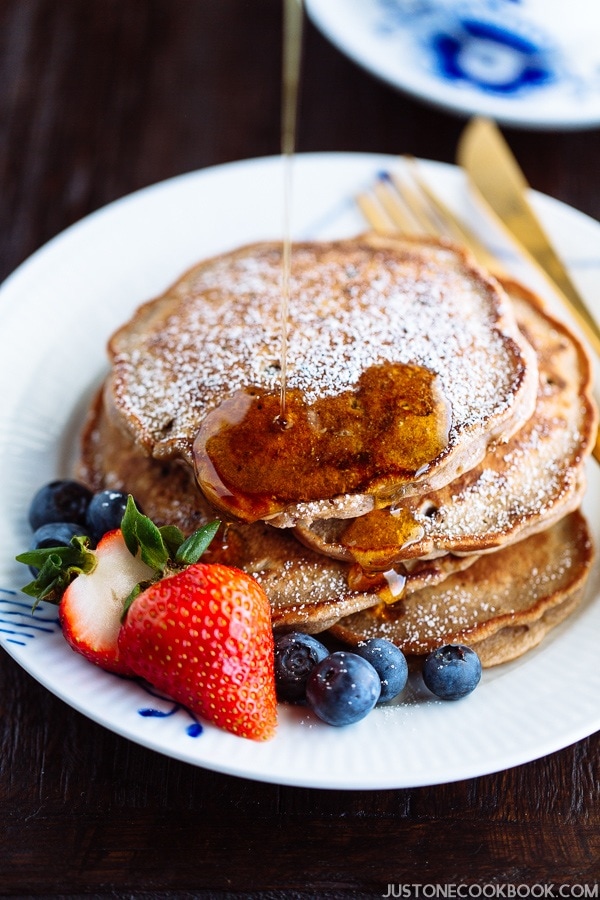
(501, 186)
(496, 176)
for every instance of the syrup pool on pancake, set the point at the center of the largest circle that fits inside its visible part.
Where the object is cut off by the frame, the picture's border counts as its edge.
(251, 467)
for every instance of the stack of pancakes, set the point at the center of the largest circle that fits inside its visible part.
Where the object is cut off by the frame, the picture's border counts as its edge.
(420, 477)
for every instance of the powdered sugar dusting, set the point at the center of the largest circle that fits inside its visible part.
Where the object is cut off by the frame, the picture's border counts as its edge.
(488, 597)
(522, 485)
(350, 309)
(534, 480)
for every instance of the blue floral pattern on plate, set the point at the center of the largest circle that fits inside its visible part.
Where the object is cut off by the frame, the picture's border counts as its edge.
(19, 623)
(488, 46)
(491, 57)
(154, 712)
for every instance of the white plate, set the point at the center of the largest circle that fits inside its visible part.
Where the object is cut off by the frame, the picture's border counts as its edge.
(526, 64)
(56, 312)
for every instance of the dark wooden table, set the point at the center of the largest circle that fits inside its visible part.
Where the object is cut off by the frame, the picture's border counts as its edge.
(99, 98)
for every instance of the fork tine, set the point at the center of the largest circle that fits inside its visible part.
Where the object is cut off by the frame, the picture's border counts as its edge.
(451, 223)
(404, 202)
(403, 208)
(375, 215)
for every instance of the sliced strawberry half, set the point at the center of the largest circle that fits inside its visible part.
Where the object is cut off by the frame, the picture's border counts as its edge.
(92, 606)
(141, 604)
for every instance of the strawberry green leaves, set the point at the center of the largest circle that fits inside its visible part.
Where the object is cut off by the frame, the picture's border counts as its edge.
(142, 536)
(57, 567)
(190, 551)
(165, 550)
(161, 547)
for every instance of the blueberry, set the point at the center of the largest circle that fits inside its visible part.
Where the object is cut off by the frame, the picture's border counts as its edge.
(59, 501)
(452, 672)
(343, 688)
(54, 534)
(390, 664)
(105, 512)
(296, 655)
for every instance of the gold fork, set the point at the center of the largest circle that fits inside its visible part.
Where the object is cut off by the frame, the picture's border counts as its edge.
(403, 202)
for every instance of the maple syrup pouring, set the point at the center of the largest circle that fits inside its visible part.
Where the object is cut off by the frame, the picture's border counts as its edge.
(259, 452)
(292, 52)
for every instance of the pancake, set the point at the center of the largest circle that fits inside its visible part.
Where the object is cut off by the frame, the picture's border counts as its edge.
(390, 342)
(385, 337)
(519, 488)
(502, 606)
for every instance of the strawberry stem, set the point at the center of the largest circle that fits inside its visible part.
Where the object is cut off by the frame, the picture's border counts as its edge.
(142, 535)
(57, 566)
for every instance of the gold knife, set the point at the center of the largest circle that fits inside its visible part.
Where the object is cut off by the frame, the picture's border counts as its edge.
(495, 174)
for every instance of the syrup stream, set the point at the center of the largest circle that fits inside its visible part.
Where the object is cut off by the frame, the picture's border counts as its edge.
(292, 52)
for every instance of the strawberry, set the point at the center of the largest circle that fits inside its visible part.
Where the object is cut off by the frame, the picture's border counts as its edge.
(141, 604)
(91, 608)
(203, 636)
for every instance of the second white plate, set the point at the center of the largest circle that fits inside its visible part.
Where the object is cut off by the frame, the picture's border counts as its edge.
(525, 64)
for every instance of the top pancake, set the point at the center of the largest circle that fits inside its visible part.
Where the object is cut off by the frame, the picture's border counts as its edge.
(355, 305)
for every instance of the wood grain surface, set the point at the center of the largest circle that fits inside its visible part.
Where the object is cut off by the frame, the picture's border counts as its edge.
(99, 98)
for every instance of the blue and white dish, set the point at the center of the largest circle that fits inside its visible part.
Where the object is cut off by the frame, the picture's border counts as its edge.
(56, 313)
(527, 63)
